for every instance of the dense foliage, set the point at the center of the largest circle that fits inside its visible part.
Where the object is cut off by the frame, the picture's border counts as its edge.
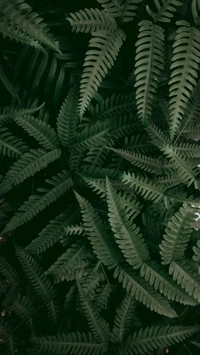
(100, 154)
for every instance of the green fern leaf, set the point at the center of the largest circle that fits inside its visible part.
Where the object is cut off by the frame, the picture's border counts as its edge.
(158, 138)
(165, 8)
(128, 9)
(25, 26)
(11, 146)
(98, 326)
(177, 234)
(142, 292)
(113, 106)
(188, 150)
(196, 256)
(42, 132)
(7, 84)
(102, 243)
(36, 203)
(186, 173)
(27, 166)
(149, 65)
(144, 186)
(91, 20)
(186, 275)
(22, 307)
(123, 319)
(52, 232)
(144, 162)
(127, 234)
(112, 7)
(74, 343)
(99, 59)
(68, 118)
(69, 230)
(35, 274)
(145, 340)
(74, 258)
(91, 136)
(158, 278)
(184, 59)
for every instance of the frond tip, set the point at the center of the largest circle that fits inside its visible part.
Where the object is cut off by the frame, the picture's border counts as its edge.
(99, 59)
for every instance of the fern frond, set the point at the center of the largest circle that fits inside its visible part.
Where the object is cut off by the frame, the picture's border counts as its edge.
(36, 203)
(97, 156)
(186, 275)
(145, 340)
(177, 234)
(22, 307)
(99, 59)
(123, 318)
(165, 10)
(52, 232)
(144, 162)
(142, 292)
(91, 20)
(113, 106)
(91, 136)
(160, 280)
(158, 138)
(149, 65)
(127, 234)
(112, 7)
(102, 297)
(196, 256)
(128, 9)
(74, 343)
(25, 26)
(76, 229)
(7, 84)
(41, 131)
(188, 150)
(69, 261)
(184, 72)
(186, 173)
(68, 118)
(98, 326)
(7, 271)
(102, 243)
(28, 165)
(11, 146)
(144, 186)
(35, 275)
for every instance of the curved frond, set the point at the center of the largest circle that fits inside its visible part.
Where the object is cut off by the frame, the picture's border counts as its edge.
(186, 275)
(35, 274)
(52, 232)
(196, 256)
(128, 9)
(102, 243)
(127, 234)
(149, 64)
(185, 66)
(142, 292)
(144, 341)
(41, 131)
(124, 316)
(98, 326)
(165, 10)
(25, 26)
(74, 258)
(112, 7)
(91, 136)
(36, 203)
(144, 162)
(68, 118)
(7, 84)
(11, 146)
(113, 106)
(160, 280)
(30, 162)
(177, 234)
(75, 343)
(144, 186)
(99, 59)
(91, 20)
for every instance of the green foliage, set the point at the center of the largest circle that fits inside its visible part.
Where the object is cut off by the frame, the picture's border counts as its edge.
(99, 186)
